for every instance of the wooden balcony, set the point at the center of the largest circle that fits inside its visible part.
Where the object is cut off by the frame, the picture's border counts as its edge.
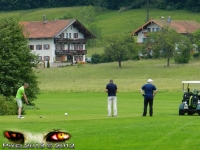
(70, 52)
(68, 41)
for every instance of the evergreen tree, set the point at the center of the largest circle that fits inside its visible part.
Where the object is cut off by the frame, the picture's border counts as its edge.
(16, 60)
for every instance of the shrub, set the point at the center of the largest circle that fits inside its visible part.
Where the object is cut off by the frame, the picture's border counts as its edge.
(180, 58)
(66, 16)
(96, 58)
(135, 57)
(48, 64)
(195, 55)
(148, 56)
(104, 58)
(80, 64)
(8, 106)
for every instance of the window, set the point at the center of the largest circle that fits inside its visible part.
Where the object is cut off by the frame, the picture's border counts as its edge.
(39, 57)
(76, 58)
(70, 36)
(66, 35)
(31, 47)
(157, 29)
(75, 35)
(68, 46)
(46, 58)
(75, 46)
(62, 46)
(46, 46)
(61, 35)
(149, 29)
(80, 58)
(38, 47)
(57, 46)
(153, 30)
(143, 39)
(80, 47)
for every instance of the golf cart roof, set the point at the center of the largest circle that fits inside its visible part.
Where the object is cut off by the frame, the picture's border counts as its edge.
(190, 81)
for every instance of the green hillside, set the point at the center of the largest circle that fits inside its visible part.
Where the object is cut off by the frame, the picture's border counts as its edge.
(79, 91)
(110, 21)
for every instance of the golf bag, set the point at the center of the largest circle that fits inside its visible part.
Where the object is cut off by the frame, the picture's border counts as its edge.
(194, 100)
(186, 97)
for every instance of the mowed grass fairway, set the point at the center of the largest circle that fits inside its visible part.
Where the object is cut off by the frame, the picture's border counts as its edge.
(79, 91)
(91, 129)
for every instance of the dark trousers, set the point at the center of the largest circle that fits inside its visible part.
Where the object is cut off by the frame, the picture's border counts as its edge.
(146, 102)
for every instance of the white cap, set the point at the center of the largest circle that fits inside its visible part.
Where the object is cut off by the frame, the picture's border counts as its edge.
(149, 80)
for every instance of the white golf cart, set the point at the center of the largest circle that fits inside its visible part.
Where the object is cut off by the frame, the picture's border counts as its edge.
(191, 100)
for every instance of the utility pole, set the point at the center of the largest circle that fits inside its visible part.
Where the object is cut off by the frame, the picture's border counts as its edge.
(147, 19)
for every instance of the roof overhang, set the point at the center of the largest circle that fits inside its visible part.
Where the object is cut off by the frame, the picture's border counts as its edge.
(135, 33)
(83, 29)
(190, 82)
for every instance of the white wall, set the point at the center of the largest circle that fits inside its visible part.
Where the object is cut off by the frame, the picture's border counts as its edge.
(51, 51)
(42, 52)
(141, 33)
(71, 29)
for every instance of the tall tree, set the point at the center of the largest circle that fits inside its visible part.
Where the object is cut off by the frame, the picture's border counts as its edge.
(120, 47)
(16, 60)
(183, 50)
(165, 42)
(196, 38)
(89, 19)
(100, 4)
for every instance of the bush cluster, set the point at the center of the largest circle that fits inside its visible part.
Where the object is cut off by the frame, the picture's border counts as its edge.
(8, 106)
(195, 55)
(101, 58)
(104, 58)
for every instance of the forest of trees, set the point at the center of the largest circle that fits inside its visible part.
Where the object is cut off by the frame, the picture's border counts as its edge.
(191, 5)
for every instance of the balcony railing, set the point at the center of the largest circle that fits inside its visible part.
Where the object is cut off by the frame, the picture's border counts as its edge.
(74, 52)
(66, 40)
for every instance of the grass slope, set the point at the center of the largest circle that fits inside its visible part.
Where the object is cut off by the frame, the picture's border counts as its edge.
(129, 78)
(126, 22)
(79, 92)
(111, 22)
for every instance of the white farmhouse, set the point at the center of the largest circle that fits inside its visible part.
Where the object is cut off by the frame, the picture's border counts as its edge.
(181, 26)
(57, 40)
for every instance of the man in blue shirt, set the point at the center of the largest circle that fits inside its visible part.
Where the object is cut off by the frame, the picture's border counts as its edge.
(148, 91)
(111, 89)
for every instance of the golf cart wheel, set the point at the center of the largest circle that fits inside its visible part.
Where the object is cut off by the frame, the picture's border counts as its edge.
(190, 113)
(181, 112)
(198, 112)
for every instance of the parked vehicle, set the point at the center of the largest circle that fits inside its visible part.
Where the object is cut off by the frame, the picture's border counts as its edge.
(88, 59)
(191, 99)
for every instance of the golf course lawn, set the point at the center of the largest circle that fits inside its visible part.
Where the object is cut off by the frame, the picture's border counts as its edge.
(91, 129)
(79, 91)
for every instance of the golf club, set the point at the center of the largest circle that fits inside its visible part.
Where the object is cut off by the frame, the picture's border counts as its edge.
(35, 112)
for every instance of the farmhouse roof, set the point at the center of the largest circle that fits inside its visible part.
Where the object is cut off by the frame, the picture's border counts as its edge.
(181, 26)
(52, 28)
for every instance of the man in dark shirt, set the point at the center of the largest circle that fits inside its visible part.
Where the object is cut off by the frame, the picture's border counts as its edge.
(111, 89)
(148, 91)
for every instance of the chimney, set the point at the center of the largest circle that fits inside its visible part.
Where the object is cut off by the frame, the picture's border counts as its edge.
(45, 19)
(169, 19)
